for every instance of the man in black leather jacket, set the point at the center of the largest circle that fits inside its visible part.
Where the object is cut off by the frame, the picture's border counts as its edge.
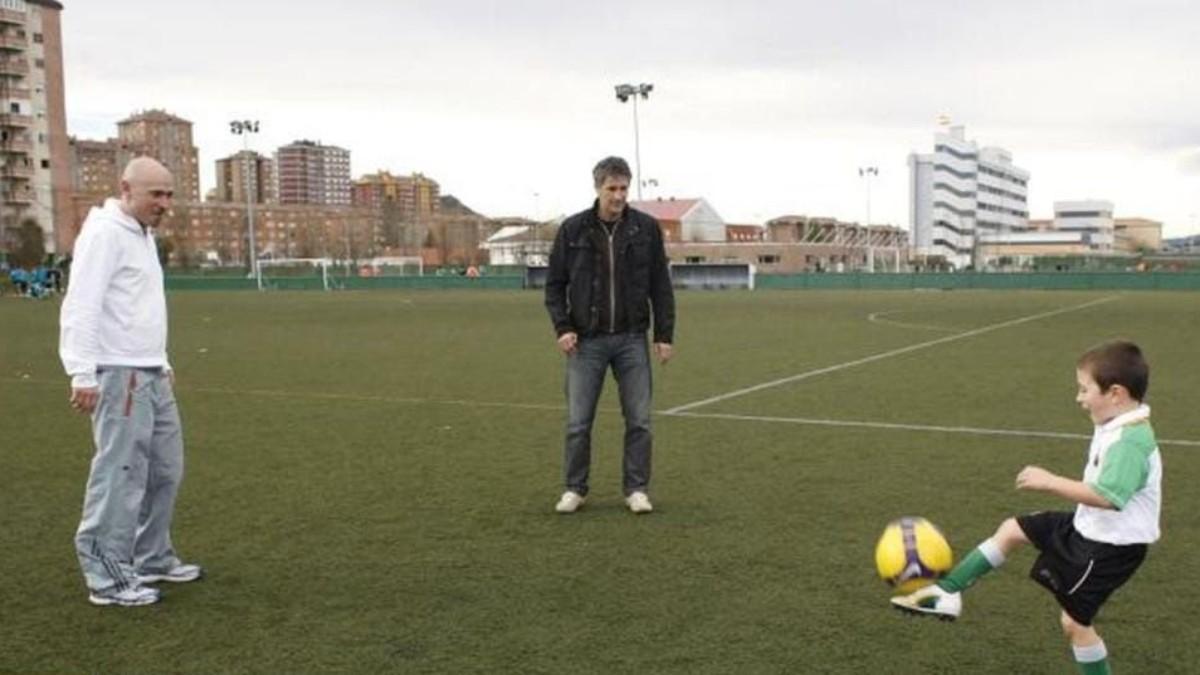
(608, 275)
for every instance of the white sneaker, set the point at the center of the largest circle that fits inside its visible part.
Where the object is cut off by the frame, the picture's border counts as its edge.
(930, 601)
(569, 502)
(638, 502)
(132, 596)
(179, 574)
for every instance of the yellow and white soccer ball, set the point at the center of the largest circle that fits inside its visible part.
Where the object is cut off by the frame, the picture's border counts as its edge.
(912, 553)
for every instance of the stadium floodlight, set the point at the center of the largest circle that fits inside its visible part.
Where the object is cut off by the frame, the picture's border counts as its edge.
(244, 128)
(866, 172)
(625, 93)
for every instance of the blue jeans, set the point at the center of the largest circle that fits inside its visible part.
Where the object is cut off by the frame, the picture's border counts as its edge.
(629, 356)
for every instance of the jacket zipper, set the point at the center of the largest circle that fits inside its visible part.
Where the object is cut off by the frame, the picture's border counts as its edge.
(612, 281)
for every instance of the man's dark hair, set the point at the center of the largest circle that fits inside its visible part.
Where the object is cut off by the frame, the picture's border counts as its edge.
(1117, 362)
(610, 167)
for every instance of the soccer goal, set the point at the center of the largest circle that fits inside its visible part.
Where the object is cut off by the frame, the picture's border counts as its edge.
(395, 266)
(295, 273)
(719, 276)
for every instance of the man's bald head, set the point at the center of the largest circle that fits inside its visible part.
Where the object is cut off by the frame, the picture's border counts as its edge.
(145, 169)
(146, 190)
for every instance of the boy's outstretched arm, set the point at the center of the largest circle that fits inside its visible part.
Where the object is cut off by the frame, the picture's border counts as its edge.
(1037, 478)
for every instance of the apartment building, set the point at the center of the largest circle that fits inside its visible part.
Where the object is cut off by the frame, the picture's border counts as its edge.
(167, 138)
(246, 174)
(961, 192)
(312, 173)
(34, 156)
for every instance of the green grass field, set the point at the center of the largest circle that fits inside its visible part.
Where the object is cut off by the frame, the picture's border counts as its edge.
(371, 479)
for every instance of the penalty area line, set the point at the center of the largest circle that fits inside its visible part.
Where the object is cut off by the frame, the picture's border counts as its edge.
(897, 426)
(888, 354)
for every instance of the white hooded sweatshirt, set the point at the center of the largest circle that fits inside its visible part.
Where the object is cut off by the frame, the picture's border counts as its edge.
(115, 312)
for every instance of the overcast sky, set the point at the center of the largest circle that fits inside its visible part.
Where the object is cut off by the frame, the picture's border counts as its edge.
(762, 107)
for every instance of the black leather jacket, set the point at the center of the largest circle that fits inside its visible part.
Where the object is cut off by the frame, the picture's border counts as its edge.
(578, 279)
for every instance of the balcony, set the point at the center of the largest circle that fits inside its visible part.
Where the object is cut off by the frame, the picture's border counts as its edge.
(18, 197)
(11, 66)
(12, 17)
(13, 93)
(16, 120)
(16, 171)
(13, 43)
(22, 146)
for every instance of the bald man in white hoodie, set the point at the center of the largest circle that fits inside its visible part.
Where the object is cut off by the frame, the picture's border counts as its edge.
(113, 345)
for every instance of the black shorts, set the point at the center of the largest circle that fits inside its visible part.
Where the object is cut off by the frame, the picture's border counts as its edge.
(1081, 573)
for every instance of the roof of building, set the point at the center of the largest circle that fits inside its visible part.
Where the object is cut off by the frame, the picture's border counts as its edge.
(665, 209)
(513, 234)
(153, 115)
(90, 143)
(46, 3)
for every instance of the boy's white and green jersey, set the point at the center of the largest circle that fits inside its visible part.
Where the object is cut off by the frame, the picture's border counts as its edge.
(1125, 467)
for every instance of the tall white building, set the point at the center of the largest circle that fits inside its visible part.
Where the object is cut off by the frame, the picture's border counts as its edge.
(1091, 218)
(961, 191)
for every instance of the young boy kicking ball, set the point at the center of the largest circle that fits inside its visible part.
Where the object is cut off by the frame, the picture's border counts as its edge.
(1087, 554)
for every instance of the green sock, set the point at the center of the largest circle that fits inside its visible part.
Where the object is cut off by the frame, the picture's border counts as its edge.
(1095, 667)
(970, 568)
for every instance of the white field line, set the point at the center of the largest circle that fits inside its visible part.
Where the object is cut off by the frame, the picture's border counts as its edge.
(365, 398)
(362, 398)
(1023, 433)
(877, 317)
(328, 396)
(884, 355)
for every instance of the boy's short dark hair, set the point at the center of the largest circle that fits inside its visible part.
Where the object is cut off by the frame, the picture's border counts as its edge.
(1117, 362)
(610, 166)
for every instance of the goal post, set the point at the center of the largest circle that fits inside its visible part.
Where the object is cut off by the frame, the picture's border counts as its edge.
(295, 273)
(393, 266)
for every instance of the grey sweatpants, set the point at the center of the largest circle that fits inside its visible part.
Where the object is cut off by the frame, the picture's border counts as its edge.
(126, 524)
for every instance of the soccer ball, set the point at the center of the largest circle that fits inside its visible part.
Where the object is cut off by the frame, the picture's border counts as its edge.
(912, 553)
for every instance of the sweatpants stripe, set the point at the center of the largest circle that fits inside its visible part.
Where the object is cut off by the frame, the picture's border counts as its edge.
(110, 566)
(129, 393)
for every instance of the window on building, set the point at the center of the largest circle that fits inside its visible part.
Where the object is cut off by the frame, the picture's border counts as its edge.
(768, 259)
(40, 63)
(694, 259)
(45, 164)
(37, 38)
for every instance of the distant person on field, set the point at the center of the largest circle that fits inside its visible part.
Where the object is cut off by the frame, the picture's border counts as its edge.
(113, 345)
(608, 275)
(1086, 554)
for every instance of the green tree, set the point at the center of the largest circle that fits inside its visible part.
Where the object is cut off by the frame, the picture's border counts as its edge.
(30, 248)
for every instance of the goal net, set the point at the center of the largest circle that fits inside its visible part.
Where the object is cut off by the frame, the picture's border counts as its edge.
(295, 273)
(393, 266)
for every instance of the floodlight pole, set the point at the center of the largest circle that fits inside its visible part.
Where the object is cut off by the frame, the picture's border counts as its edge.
(624, 93)
(244, 128)
(865, 173)
(537, 229)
